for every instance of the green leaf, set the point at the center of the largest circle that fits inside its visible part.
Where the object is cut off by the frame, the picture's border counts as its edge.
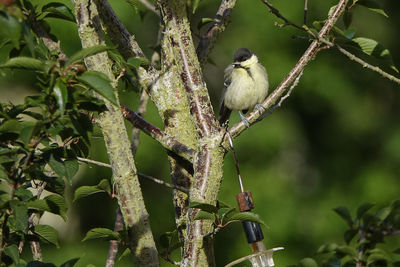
(101, 233)
(86, 190)
(327, 248)
(10, 29)
(348, 251)
(308, 262)
(349, 235)
(377, 254)
(204, 207)
(61, 92)
(12, 252)
(57, 165)
(86, 52)
(383, 213)
(203, 22)
(345, 214)
(53, 203)
(28, 131)
(195, 5)
(363, 209)
(349, 33)
(47, 233)
(204, 215)
(57, 10)
(19, 218)
(71, 168)
(13, 126)
(244, 216)
(100, 83)
(125, 253)
(330, 12)
(372, 5)
(39, 264)
(347, 18)
(27, 63)
(70, 263)
(136, 62)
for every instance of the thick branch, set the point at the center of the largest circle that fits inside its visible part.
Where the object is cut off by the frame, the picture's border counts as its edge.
(219, 24)
(164, 139)
(111, 122)
(293, 74)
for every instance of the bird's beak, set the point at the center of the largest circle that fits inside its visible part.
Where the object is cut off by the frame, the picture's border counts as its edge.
(236, 65)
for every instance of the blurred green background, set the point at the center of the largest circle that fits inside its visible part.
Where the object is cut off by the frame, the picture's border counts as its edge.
(335, 141)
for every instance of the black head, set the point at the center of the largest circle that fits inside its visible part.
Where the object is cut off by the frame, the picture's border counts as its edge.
(242, 54)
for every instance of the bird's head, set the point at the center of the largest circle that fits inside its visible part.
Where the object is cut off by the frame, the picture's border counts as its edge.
(244, 58)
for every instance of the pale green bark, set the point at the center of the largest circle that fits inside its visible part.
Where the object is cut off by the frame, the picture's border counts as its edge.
(117, 142)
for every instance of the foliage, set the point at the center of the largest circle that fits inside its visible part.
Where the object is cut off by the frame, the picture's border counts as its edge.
(363, 240)
(42, 139)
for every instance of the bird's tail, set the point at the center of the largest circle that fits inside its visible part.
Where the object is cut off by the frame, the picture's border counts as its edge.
(224, 115)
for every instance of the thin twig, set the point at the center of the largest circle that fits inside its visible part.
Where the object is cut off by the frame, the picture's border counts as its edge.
(142, 175)
(279, 15)
(219, 24)
(295, 83)
(236, 162)
(163, 138)
(113, 249)
(305, 12)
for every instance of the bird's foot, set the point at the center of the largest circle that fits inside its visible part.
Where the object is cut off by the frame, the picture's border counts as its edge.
(243, 118)
(260, 108)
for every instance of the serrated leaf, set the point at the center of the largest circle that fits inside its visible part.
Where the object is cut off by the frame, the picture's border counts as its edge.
(244, 216)
(53, 203)
(363, 209)
(47, 233)
(26, 63)
(101, 233)
(10, 29)
(204, 215)
(58, 10)
(308, 262)
(61, 92)
(373, 5)
(100, 83)
(345, 214)
(83, 191)
(86, 52)
(203, 22)
(203, 206)
(12, 252)
(70, 263)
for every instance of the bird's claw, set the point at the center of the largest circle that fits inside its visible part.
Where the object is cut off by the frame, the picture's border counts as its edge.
(243, 118)
(260, 108)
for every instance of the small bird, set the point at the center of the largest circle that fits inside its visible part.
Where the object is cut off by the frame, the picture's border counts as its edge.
(246, 86)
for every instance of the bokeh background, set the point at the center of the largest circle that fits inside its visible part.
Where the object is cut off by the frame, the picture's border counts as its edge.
(335, 141)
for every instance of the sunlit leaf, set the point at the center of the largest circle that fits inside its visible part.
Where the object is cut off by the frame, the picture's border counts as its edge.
(27, 63)
(203, 206)
(86, 52)
(12, 251)
(101, 233)
(244, 216)
(100, 83)
(53, 203)
(83, 191)
(47, 233)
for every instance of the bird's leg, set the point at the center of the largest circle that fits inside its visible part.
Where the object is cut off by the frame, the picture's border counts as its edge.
(260, 108)
(243, 118)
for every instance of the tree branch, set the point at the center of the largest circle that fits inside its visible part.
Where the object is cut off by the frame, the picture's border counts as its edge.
(308, 55)
(164, 139)
(279, 15)
(111, 122)
(219, 24)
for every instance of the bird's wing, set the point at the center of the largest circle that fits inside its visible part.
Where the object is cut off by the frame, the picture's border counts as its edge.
(224, 112)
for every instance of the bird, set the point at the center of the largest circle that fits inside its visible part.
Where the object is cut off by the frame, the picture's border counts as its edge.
(246, 86)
